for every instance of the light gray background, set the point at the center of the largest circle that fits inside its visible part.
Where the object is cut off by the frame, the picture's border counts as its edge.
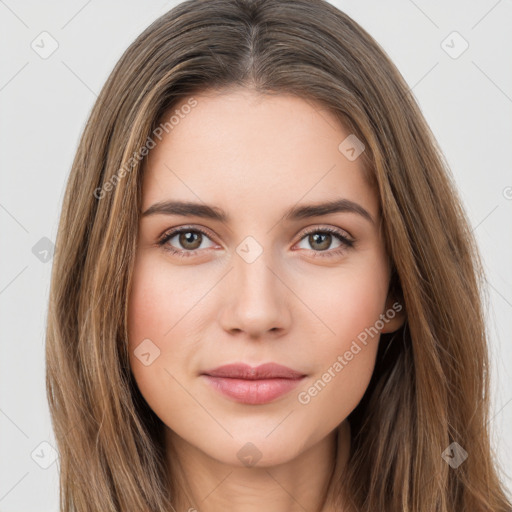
(44, 104)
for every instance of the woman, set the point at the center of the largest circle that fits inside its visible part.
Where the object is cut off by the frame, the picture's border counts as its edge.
(255, 370)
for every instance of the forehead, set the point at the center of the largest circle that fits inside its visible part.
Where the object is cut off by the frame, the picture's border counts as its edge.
(269, 150)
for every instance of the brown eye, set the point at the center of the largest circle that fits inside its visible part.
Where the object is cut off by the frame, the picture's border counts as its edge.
(320, 241)
(189, 239)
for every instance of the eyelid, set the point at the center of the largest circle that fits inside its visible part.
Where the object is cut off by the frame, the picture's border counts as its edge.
(191, 227)
(329, 228)
(304, 232)
(346, 242)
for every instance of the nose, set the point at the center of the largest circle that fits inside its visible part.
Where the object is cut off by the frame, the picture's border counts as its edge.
(256, 300)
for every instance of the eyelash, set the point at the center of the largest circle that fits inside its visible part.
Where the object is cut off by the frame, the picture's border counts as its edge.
(346, 242)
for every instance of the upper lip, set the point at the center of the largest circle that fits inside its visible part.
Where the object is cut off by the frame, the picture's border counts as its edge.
(264, 371)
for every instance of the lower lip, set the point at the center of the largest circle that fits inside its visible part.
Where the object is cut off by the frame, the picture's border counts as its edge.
(253, 392)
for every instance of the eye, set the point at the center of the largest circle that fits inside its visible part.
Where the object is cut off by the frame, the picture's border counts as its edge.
(320, 239)
(189, 240)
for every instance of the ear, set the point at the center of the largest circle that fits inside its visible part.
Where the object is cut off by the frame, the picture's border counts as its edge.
(394, 314)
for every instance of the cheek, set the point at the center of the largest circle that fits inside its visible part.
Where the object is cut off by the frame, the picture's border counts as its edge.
(163, 307)
(350, 306)
(160, 300)
(350, 302)
(154, 313)
(145, 307)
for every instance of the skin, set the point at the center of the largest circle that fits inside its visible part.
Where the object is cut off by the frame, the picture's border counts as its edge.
(256, 156)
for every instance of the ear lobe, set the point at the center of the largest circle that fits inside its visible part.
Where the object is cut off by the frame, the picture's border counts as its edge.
(394, 315)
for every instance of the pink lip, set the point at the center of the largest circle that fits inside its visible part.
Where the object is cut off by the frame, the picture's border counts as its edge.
(253, 386)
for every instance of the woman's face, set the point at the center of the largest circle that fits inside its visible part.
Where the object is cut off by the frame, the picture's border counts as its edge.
(263, 284)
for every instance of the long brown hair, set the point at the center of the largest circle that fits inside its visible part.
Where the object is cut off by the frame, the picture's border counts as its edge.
(430, 387)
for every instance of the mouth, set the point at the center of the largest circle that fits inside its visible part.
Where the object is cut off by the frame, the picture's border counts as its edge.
(253, 386)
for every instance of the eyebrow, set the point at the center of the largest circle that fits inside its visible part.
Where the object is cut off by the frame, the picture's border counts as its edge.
(206, 211)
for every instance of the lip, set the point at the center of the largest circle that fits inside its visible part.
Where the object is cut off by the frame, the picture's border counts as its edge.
(253, 385)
